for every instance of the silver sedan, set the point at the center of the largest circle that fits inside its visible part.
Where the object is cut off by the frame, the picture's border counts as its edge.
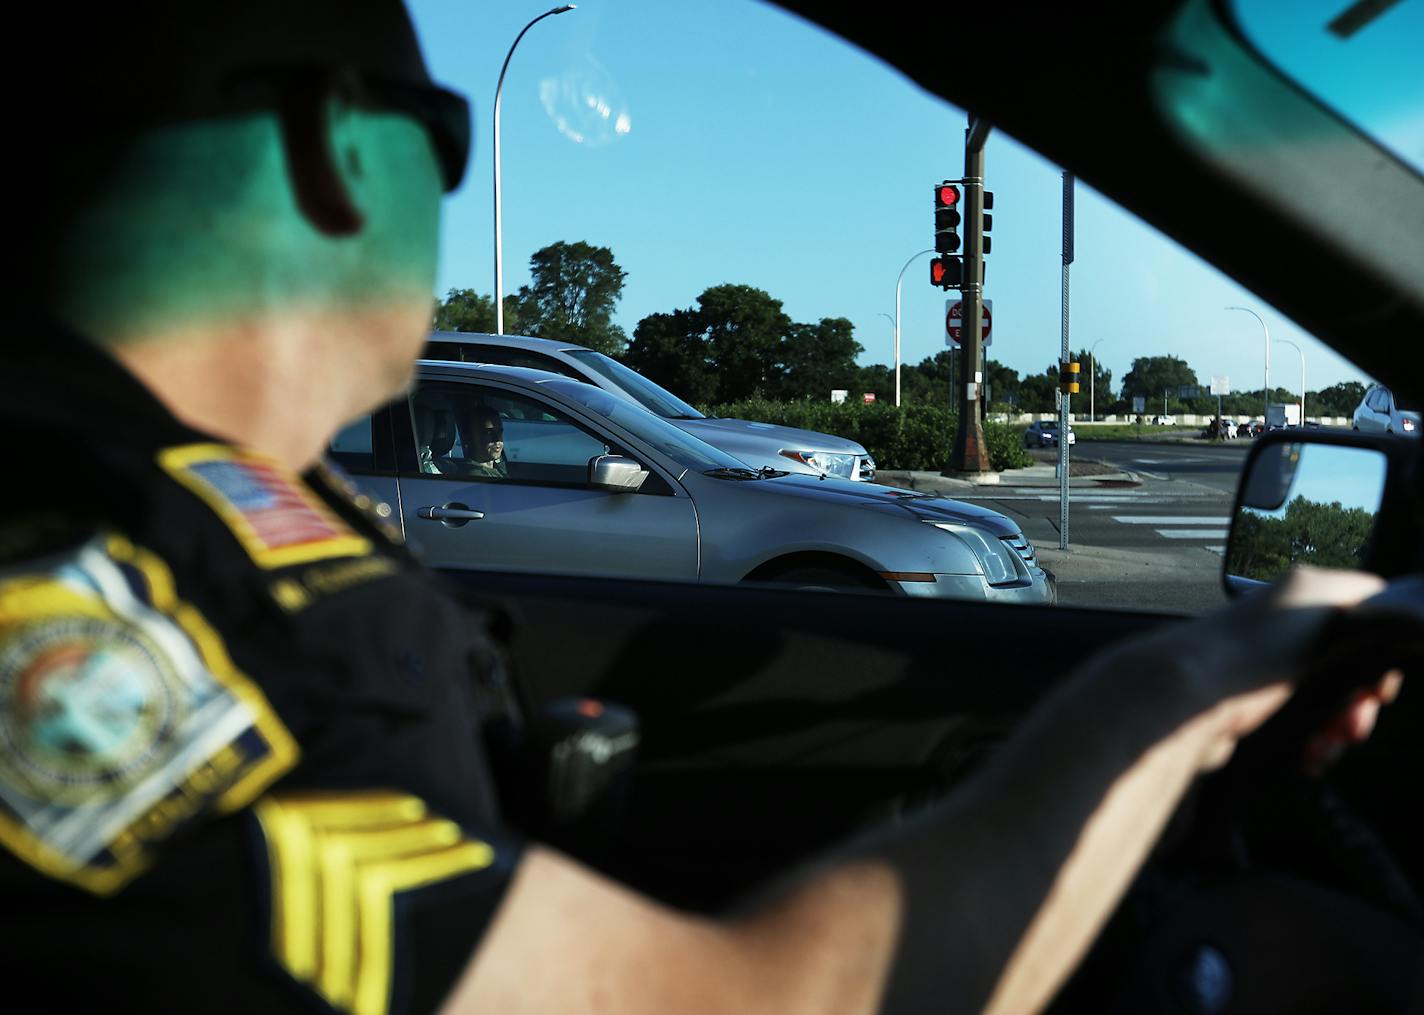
(505, 468)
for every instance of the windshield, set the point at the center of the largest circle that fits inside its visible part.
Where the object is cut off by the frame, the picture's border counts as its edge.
(655, 398)
(681, 447)
(733, 107)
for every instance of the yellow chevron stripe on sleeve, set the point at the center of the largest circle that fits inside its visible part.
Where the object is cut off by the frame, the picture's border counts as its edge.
(337, 861)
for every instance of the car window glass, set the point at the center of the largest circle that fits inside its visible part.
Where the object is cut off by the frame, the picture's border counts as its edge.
(794, 299)
(677, 444)
(475, 432)
(351, 447)
(653, 397)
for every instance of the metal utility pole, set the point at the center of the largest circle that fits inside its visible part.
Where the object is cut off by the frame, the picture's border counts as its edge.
(970, 453)
(1063, 404)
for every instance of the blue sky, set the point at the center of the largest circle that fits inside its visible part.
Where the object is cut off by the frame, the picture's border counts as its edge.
(729, 141)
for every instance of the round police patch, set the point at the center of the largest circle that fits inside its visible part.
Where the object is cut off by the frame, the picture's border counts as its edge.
(87, 707)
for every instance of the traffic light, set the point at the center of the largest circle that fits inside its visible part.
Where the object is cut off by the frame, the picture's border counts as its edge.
(946, 198)
(988, 219)
(947, 272)
(1068, 377)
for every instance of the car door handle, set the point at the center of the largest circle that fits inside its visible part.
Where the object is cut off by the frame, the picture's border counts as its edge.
(453, 514)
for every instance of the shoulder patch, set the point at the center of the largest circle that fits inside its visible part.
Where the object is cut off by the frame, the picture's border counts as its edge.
(278, 521)
(121, 716)
(339, 864)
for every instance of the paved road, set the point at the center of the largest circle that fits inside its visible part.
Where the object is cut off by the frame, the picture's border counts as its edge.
(1154, 545)
(1214, 465)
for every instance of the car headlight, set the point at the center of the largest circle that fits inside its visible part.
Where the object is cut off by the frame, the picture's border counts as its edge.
(1408, 424)
(842, 466)
(995, 559)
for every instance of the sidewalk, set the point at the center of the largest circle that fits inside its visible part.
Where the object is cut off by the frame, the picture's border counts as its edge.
(1089, 475)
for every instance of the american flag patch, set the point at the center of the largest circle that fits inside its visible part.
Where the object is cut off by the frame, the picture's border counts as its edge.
(276, 518)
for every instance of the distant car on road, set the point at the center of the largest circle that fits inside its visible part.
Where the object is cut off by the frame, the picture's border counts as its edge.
(1164, 420)
(1045, 435)
(761, 445)
(1250, 428)
(1379, 413)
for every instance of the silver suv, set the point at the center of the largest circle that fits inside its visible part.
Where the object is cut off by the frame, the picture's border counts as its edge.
(756, 444)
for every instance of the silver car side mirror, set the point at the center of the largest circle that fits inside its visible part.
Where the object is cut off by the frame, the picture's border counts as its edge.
(615, 473)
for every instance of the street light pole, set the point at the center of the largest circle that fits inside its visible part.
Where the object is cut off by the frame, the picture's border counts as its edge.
(898, 281)
(1301, 353)
(1266, 394)
(498, 215)
(1092, 383)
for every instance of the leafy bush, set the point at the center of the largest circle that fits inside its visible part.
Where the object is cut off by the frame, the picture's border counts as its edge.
(908, 437)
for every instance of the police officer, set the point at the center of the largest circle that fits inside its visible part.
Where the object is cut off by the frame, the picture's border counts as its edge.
(240, 759)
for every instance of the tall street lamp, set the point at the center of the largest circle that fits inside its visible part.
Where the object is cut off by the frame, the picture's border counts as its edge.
(1301, 353)
(899, 280)
(498, 216)
(1092, 383)
(1266, 393)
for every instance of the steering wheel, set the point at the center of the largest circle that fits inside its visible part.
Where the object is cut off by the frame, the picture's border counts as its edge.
(1215, 923)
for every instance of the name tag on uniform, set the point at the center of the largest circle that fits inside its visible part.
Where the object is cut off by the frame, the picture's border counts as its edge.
(275, 517)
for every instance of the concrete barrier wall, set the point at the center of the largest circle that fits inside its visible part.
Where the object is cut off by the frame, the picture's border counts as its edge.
(1183, 419)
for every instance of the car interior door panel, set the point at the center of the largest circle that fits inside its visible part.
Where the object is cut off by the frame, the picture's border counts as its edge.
(779, 720)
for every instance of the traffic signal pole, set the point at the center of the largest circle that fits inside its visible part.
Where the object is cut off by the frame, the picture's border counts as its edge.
(970, 453)
(1064, 402)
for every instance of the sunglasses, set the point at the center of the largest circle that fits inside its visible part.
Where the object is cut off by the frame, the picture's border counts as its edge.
(444, 114)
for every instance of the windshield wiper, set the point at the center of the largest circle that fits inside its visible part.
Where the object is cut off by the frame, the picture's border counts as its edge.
(728, 472)
(767, 472)
(690, 417)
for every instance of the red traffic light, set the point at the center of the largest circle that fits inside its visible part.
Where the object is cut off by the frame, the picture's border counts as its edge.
(946, 195)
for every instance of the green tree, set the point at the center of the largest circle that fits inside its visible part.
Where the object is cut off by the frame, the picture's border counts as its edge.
(1150, 376)
(1265, 547)
(744, 327)
(1101, 382)
(1036, 391)
(571, 296)
(1337, 400)
(817, 357)
(1005, 388)
(469, 311)
(670, 349)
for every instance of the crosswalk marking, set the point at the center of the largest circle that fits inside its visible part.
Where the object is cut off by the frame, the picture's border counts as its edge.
(1192, 533)
(1170, 520)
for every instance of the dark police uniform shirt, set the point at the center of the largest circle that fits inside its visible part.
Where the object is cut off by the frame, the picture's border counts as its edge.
(240, 763)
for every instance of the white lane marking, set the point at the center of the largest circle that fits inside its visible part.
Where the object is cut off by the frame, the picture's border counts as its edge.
(1219, 550)
(1192, 533)
(1170, 520)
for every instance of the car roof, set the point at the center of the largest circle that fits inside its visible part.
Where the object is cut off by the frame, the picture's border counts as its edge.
(1269, 222)
(510, 341)
(491, 371)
